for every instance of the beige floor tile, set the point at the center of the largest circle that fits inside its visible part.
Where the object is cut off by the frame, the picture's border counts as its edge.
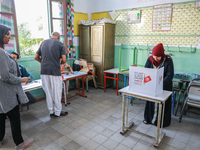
(63, 141)
(91, 145)
(140, 146)
(129, 142)
(71, 146)
(102, 148)
(110, 144)
(95, 122)
(53, 146)
(107, 132)
(121, 147)
(81, 140)
(100, 138)
(90, 134)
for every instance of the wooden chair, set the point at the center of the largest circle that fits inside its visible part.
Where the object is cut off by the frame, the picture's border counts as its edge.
(90, 70)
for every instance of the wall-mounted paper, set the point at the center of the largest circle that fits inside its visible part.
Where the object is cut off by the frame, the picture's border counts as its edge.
(197, 6)
(162, 16)
(133, 16)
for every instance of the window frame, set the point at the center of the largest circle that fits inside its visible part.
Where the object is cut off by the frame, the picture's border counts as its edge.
(15, 25)
(64, 19)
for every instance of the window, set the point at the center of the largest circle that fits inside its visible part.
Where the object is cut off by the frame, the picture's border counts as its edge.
(32, 24)
(62, 21)
(57, 19)
(8, 18)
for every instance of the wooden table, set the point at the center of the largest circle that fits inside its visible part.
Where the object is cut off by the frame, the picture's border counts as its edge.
(160, 99)
(36, 84)
(114, 71)
(70, 76)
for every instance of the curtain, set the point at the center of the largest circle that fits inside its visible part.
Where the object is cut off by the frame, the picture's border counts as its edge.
(70, 29)
(7, 20)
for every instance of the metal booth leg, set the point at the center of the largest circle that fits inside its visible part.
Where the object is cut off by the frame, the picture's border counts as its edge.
(158, 136)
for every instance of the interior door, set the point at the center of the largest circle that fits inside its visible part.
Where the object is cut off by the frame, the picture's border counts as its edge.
(85, 42)
(97, 51)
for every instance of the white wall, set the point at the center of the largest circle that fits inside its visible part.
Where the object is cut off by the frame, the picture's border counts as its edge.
(81, 6)
(91, 6)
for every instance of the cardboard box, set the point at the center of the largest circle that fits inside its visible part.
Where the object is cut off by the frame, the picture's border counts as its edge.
(146, 80)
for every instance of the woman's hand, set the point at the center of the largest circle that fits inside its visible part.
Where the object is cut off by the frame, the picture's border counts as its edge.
(66, 72)
(26, 80)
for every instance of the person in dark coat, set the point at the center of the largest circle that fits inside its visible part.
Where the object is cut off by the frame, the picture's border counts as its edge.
(157, 60)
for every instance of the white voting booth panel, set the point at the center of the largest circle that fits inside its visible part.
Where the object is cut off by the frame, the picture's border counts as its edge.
(146, 80)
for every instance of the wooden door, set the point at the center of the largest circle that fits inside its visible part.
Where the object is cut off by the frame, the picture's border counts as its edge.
(97, 50)
(109, 38)
(108, 53)
(84, 43)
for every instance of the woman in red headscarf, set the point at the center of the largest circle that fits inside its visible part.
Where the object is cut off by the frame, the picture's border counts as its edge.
(157, 60)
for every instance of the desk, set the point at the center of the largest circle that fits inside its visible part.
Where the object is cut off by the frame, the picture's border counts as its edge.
(114, 71)
(160, 99)
(36, 84)
(76, 75)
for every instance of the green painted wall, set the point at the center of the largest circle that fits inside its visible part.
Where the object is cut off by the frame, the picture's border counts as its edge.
(185, 61)
(77, 51)
(33, 68)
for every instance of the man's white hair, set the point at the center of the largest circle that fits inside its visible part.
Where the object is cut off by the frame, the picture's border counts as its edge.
(55, 34)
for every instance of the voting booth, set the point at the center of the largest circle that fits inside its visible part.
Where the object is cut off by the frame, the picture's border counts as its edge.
(146, 80)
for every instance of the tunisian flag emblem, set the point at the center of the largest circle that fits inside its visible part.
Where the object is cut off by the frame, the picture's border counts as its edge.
(147, 79)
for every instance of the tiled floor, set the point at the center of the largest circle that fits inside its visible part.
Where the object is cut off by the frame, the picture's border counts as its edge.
(94, 123)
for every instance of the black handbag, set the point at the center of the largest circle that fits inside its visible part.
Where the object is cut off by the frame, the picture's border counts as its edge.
(31, 98)
(76, 67)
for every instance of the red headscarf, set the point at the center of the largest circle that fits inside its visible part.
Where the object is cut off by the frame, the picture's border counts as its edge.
(158, 50)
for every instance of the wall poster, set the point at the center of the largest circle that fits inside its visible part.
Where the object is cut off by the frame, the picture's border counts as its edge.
(133, 16)
(162, 17)
(197, 6)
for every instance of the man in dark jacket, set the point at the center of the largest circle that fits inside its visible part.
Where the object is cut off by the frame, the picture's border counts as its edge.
(24, 72)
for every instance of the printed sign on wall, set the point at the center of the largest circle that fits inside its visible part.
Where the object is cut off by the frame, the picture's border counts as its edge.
(133, 16)
(162, 16)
